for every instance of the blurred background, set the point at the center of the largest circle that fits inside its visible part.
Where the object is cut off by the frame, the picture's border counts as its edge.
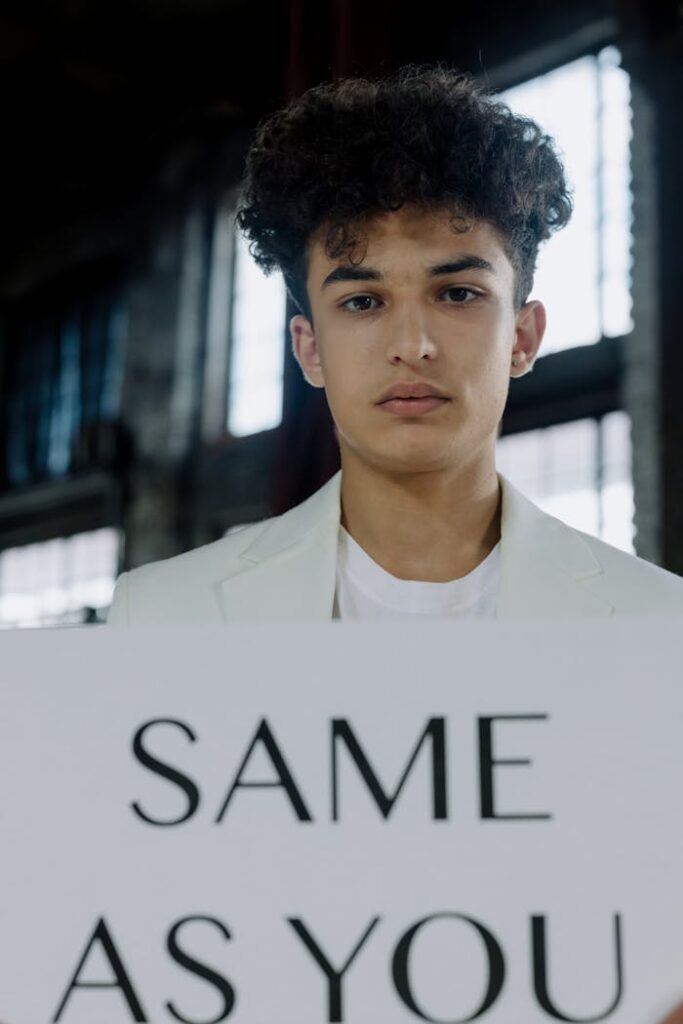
(149, 402)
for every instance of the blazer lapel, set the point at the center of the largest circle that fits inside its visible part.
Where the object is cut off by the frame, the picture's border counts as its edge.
(546, 567)
(289, 571)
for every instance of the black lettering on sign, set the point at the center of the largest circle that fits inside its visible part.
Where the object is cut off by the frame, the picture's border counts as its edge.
(334, 976)
(285, 781)
(120, 981)
(487, 762)
(540, 968)
(434, 731)
(495, 964)
(201, 970)
(148, 760)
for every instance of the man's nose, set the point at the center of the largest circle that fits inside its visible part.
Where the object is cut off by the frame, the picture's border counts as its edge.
(410, 340)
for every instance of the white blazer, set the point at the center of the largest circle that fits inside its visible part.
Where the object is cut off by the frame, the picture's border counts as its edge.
(284, 568)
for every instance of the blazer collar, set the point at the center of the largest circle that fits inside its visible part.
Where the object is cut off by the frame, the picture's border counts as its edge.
(546, 567)
(289, 570)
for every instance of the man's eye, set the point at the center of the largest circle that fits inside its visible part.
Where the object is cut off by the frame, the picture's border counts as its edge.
(362, 301)
(461, 296)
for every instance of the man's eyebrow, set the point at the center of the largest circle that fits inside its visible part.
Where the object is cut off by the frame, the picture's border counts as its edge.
(352, 274)
(466, 262)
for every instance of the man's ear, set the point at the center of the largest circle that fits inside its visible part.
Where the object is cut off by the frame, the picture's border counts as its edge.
(305, 349)
(529, 331)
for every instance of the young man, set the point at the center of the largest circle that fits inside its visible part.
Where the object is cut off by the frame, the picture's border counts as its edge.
(405, 215)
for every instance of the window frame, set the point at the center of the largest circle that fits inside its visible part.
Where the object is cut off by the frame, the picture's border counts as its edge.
(584, 381)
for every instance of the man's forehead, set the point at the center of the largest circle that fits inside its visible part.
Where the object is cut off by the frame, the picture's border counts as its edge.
(426, 235)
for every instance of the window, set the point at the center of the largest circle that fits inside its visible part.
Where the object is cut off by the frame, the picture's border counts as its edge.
(257, 345)
(63, 375)
(61, 581)
(583, 271)
(579, 472)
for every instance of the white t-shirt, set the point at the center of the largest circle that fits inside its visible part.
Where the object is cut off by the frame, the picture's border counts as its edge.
(367, 591)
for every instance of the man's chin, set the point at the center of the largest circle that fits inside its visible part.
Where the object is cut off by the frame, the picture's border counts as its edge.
(409, 463)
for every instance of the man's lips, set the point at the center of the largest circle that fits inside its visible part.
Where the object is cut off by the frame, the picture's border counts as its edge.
(412, 399)
(411, 390)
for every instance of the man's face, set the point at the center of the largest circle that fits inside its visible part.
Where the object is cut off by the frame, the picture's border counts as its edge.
(429, 309)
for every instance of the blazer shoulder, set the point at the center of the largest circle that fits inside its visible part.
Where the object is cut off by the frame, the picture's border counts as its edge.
(637, 585)
(147, 592)
(185, 588)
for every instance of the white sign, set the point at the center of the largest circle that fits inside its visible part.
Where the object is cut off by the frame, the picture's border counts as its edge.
(374, 824)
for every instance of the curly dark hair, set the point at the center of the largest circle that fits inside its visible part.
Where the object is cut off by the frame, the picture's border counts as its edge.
(426, 135)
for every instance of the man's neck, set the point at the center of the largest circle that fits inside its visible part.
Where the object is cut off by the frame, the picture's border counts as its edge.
(425, 526)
